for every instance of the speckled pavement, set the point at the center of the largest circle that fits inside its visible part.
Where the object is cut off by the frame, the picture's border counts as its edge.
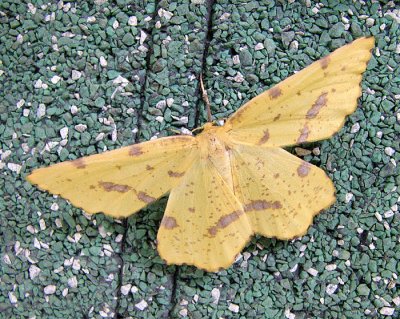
(82, 77)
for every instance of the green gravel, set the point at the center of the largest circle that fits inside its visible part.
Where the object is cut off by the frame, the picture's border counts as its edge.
(82, 77)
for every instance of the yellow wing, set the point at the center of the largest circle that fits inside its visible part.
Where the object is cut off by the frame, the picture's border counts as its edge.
(204, 223)
(280, 193)
(308, 106)
(122, 181)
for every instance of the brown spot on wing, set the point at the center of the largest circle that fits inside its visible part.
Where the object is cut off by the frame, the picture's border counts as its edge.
(135, 150)
(275, 92)
(191, 209)
(175, 174)
(112, 187)
(317, 106)
(225, 221)
(79, 163)
(325, 62)
(144, 197)
(264, 138)
(304, 169)
(277, 117)
(149, 168)
(305, 131)
(261, 205)
(169, 222)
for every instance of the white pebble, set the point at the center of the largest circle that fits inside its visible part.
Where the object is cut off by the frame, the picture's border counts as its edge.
(134, 289)
(50, 289)
(386, 311)
(65, 292)
(236, 59)
(349, 197)
(91, 19)
(76, 264)
(55, 79)
(143, 36)
(20, 103)
(36, 243)
(119, 238)
(160, 119)
(72, 282)
(183, 312)
(234, 308)
(330, 267)
(42, 224)
(141, 305)
(312, 271)
(31, 229)
(239, 78)
(34, 271)
(26, 112)
(215, 294)
(370, 22)
(115, 24)
(64, 132)
(12, 297)
(289, 315)
(355, 128)
(164, 13)
(389, 151)
(103, 61)
(100, 136)
(38, 84)
(54, 207)
(41, 111)
(126, 289)
(396, 300)
(378, 216)
(294, 268)
(259, 46)
(73, 109)
(294, 45)
(331, 288)
(76, 75)
(132, 21)
(170, 101)
(31, 8)
(388, 214)
(81, 128)
(14, 167)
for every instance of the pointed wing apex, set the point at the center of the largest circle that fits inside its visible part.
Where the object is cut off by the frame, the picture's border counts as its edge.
(308, 106)
(122, 181)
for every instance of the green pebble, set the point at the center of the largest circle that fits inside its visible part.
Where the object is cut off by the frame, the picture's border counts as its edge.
(128, 39)
(99, 102)
(94, 250)
(69, 220)
(336, 30)
(246, 58)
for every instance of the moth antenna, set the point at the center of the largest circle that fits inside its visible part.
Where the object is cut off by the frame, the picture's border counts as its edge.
(174, 131)
(205, 98)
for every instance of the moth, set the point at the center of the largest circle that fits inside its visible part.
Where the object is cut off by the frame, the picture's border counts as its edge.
(228, 182)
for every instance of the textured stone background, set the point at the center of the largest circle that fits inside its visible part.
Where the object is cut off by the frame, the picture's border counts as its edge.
(78, 78)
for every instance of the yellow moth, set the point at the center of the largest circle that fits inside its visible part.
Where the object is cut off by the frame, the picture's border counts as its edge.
(229, 182)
